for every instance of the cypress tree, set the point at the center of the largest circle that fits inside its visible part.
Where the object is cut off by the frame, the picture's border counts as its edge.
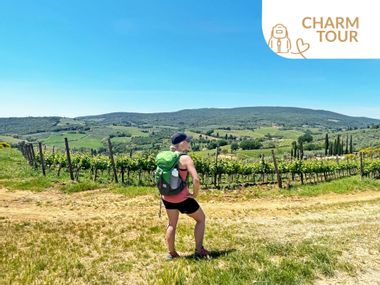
(331, 148)
(351, 145)
(326, 144)
(338, 143)
(294, 149)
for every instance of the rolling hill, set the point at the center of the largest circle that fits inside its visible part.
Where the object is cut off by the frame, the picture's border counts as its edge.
(239, 117)
(247, 117)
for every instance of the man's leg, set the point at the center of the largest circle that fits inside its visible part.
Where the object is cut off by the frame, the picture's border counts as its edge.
(199, 229)
(171, 229)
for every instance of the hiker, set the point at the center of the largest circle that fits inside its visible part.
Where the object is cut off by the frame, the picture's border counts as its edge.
(184, 201)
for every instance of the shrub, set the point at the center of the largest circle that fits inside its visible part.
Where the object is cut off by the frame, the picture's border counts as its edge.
(4, 145)
(250, 144)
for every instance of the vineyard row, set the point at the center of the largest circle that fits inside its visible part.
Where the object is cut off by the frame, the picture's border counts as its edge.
(139, 169)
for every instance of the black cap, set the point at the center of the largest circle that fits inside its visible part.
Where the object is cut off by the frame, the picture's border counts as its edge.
(180, 137)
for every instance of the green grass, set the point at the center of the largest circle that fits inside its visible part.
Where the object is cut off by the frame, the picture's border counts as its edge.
(72, 187)
(136, 132)
(29, 183)
(9, 139)
(15, 173)
(121, 140)
(75, 140)
(286, 134)
(93, 138)
(134, 191)
(341, 186)
(254, 262)
(110, 252)
(261, 132)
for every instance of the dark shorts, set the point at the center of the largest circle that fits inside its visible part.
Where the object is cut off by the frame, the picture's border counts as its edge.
(189, 206)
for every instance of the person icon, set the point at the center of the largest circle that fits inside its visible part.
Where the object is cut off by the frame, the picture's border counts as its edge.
(279, 40)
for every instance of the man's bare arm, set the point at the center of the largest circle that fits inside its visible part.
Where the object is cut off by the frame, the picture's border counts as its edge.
(194, 175)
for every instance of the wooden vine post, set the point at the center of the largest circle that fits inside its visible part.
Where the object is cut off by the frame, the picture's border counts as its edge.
(33, 155)
(112, 160)
(279, 180)
(216, 167)
(42, 158)
(361, 166)
(69, 159)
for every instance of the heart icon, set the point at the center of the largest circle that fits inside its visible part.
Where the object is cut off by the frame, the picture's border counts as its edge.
(302, 46)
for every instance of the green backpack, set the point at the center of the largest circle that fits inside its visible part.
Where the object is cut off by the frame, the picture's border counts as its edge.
(167, 177)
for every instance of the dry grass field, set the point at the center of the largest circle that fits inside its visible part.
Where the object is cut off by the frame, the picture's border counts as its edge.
(103, 237)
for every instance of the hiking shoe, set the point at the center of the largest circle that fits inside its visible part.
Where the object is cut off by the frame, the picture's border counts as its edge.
(203, 253)
(172, 255)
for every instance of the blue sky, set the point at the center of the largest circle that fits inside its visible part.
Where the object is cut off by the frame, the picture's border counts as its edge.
(92, 57)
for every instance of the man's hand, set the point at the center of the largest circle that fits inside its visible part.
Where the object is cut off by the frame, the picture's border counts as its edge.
(191, 196)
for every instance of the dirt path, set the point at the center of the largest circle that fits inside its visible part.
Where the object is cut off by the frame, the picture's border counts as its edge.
(356, 217)
(47, 205)
(55, 205)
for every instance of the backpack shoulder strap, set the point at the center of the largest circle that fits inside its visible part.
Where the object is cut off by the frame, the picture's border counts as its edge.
(179, 156)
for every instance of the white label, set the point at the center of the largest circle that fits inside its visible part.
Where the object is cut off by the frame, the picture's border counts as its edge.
(322, 28)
